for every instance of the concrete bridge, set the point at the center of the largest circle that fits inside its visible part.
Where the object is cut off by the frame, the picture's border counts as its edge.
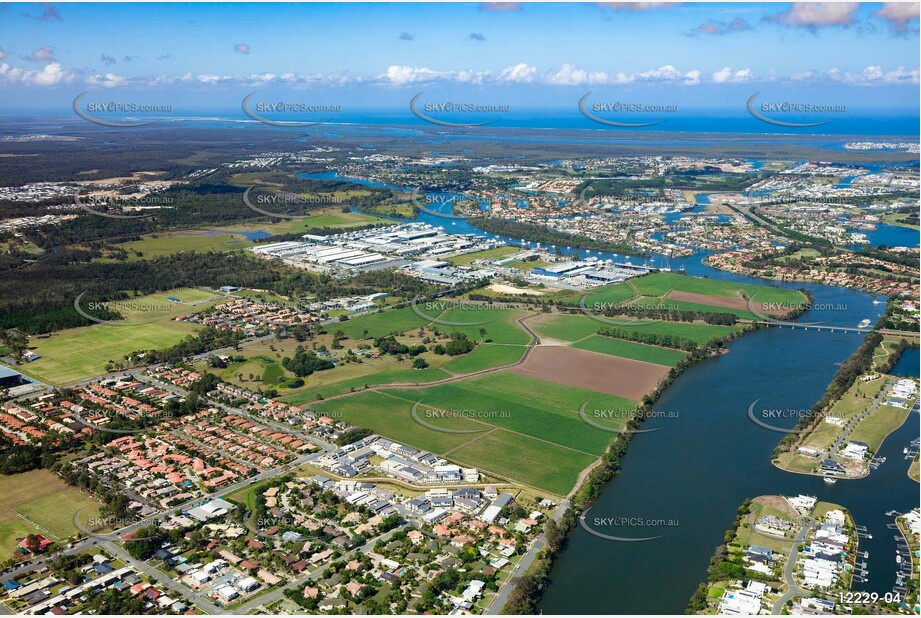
(834, 329)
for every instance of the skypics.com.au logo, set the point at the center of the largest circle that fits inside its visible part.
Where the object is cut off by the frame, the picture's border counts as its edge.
(436, 308)
(768, 418)
(780, 108)
(616, 420)
(115, 206)
(593, 310)
(104, 113)
(272, 204)
(112, 308)
(456, 109)
(422, 414)
(261, 111)
(425, 202)
(622, 110)
(595, 525)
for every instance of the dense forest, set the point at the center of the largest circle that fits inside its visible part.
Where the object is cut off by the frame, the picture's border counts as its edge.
(39, 298)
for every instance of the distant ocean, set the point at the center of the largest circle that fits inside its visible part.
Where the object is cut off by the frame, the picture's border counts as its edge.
(890, 123)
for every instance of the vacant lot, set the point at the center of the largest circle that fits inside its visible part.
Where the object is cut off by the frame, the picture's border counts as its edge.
(876, 427)
(565, 327)
(658, 284)
(700, 333)
(489, 324)
(592, 371)
(379, 324)
(488, 254)
(39, 502)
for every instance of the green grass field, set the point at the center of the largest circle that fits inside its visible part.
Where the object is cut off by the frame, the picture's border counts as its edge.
(500, 325)
(682, 305)
(407, 376)
(874, 428)
(577, 327)
(42, 497)
(234, 237)
(628, 349)
(484, 356)
(535, 463)
(658, 284)
(526, 418)
(565, 327)
(380, 324)
(79, 353)
(700, 333)
(488, 254)
(609, 295)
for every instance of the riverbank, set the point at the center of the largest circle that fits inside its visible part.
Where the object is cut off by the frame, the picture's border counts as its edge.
(529, 587)
(756, 570)
(840, 436)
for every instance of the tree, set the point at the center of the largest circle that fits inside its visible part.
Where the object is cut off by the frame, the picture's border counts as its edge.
(16, 341)
(145, 542)
(420, 363)
(33, 542)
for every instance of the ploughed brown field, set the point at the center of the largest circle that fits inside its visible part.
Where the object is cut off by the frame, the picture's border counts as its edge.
(603, 373)
(719, 301)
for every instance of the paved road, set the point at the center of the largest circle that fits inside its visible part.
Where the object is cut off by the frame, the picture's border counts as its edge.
(498, 601)
(276, 595)
(191, 597)
(792, 589)
(877, 401)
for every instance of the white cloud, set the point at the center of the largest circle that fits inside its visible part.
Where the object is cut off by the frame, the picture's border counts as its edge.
(814, 15)
(399, 75)
(635, 7)
(109, 80)
(42, 54)
(570, 75)
(727, 76)
(241, 48)
(521, 73)
(721, 76)
(52, 75)
(899, 14)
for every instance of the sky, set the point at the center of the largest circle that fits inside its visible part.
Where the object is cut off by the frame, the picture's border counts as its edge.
(369, 55)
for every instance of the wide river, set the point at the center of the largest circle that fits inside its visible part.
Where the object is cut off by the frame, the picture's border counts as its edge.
(690, 477)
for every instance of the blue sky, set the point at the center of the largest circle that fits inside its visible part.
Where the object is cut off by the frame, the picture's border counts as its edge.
(207, 56)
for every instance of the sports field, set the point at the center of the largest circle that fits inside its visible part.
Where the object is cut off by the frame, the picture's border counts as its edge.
(39, 502)
(78, 353)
